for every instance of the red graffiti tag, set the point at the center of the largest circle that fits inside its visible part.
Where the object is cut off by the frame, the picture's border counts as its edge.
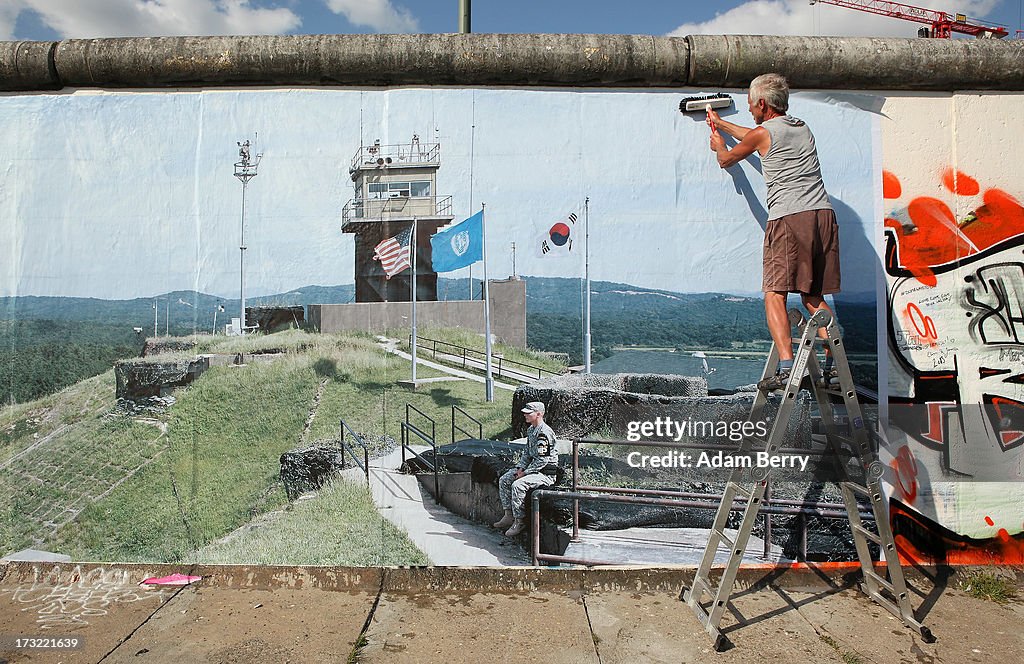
(959, 182)
(926, 329)
(905, 469)
(934, 237)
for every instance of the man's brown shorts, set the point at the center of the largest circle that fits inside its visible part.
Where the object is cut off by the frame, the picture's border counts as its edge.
(801, 253)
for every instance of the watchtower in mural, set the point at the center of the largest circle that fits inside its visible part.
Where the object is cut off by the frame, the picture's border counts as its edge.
(395, 185)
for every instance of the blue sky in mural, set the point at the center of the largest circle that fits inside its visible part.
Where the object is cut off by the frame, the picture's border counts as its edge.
(53, 19)
(139, 188)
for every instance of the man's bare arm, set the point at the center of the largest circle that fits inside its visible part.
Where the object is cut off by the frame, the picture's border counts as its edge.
(755, 140)
(716, 122)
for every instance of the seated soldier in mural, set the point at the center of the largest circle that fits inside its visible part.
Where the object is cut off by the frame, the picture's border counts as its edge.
(537, 466)
(801, 241)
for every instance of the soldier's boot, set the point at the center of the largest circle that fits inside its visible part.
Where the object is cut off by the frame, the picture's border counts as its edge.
(517, 527)
(505, 521)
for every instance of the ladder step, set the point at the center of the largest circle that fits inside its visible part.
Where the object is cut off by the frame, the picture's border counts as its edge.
(699, 587)
(887, 604)
(857, 488)
(746, 493)
(725, 538)
(881, 580)
(867, 533)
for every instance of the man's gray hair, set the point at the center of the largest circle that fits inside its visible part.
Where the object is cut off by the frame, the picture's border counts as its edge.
(773, 89)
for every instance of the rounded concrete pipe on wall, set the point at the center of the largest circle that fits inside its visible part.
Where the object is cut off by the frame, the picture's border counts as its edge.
(431, 59)
(858, 62)
(514, 60)
(26, 65)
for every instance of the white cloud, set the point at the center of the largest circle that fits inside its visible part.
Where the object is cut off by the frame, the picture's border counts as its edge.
(797, 17)
(147, 18)
(379, 15)
(8, 16)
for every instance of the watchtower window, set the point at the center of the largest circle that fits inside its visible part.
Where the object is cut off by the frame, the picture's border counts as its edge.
(399, 189)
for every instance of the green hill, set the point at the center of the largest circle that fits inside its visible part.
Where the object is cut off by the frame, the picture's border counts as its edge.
(48, 343)
(87, 480)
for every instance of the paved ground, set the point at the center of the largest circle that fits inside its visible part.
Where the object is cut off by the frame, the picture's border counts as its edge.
(453, 615)
(446, 538)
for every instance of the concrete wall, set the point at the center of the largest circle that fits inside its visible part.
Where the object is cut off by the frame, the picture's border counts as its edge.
(508, 314)
(949, 139)
(951, 199)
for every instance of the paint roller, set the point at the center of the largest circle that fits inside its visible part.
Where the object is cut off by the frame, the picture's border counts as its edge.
(705, 103)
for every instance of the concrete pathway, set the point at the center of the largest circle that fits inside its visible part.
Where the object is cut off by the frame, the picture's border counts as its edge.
(479, 365)
(391, 346)
(446, 538)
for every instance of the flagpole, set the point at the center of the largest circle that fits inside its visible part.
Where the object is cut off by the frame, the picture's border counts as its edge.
(586, 294)
(488, 380)
(412, 249)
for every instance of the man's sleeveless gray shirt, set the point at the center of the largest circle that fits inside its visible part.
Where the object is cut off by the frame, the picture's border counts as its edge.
(791, 169)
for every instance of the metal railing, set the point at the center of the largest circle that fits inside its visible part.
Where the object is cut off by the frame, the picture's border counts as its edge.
(398, 207)
(430, 439)
(412, 153)
(455, 427)
(497, 361)
(365, 465)
(801, 509)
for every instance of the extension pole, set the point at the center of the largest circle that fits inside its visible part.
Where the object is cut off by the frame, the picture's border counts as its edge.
(412, 249)
(586, 293)
(489, 380)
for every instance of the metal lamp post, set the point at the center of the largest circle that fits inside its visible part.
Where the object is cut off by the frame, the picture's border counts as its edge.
(245, 170)
(220, 307)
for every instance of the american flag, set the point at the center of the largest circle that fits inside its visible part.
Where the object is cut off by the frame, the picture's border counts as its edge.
(393, 253)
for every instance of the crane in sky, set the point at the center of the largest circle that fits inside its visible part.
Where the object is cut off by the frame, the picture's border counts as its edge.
(943, 24)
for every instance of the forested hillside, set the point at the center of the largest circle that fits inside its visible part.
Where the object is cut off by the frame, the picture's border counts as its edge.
(47, 343)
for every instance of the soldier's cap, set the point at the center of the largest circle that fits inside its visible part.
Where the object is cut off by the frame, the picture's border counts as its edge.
(534, 407)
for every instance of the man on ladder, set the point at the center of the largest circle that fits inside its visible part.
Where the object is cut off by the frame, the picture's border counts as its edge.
(801, 240)
(801, 254)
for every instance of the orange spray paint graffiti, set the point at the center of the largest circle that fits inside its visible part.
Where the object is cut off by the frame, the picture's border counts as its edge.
(956, 392)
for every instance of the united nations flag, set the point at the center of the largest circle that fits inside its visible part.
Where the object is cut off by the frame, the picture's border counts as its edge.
(458, 246)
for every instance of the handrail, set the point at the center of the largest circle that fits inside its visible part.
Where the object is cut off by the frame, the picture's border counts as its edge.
(433, 424)
(466, 352)
(366, 451)
(480, 426)
(810, 509)
(377, 209)
(431, 439)
(396, 155)
(769, 505)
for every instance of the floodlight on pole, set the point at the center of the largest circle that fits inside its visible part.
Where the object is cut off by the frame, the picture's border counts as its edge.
(220, 307)
(245, 170)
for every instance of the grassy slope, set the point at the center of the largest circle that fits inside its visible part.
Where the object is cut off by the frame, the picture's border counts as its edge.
(217, 466)
(341, 526)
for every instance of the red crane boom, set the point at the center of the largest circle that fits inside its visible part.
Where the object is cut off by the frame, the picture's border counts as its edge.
(943, 24)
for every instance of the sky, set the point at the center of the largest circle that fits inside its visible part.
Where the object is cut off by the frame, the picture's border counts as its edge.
(66, 19)
(147, 202)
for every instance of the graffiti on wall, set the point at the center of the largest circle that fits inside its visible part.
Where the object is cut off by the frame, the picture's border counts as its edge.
(955, 329)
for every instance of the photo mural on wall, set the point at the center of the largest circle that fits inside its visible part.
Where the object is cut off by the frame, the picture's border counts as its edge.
(955, 329)
(122, 218)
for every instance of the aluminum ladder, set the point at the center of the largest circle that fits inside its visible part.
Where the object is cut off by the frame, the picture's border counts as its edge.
(889, 589)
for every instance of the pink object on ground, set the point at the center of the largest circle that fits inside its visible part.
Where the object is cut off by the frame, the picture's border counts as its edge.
(172, 580)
